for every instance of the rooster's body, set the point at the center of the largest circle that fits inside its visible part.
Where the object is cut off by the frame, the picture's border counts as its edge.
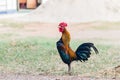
(67, 55)
(66, 40)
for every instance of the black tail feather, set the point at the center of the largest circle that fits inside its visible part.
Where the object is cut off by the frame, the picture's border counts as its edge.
(95, 49)
(84, 51)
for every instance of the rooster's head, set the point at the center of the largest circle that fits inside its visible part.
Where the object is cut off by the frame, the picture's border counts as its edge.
(62, 26)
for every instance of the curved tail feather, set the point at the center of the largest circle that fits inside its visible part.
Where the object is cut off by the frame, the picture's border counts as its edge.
(83, 52)
(95, 49)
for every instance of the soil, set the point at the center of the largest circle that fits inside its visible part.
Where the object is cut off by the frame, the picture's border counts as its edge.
(41, 77)
(50, 30)
(75, 11)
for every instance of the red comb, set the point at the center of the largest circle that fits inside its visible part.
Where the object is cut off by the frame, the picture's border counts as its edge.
(63, 24)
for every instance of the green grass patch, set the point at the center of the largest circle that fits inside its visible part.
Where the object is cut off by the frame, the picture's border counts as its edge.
(38, 55)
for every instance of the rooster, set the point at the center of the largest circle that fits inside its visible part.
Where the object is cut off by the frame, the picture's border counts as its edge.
(67, 55)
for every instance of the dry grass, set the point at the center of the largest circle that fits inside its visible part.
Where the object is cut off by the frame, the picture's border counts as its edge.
(38, 55)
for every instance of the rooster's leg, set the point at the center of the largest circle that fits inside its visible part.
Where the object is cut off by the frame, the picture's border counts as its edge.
(69, 69)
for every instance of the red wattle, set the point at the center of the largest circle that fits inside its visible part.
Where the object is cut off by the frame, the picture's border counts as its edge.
(60, 30)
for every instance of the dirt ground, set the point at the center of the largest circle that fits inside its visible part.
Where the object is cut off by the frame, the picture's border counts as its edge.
(81, 31)
(41, 77)
(77, 31)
